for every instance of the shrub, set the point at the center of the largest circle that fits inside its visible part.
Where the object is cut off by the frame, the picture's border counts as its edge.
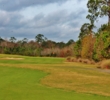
(84, 61)
(74, 60)
(71, 59)
(77, 49)
(68, 59)
(105, 64)
(92, 62)
(87, 61)
(79, 60)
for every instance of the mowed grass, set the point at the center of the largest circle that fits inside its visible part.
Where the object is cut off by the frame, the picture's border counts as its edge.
(33, 78)
(16, 59)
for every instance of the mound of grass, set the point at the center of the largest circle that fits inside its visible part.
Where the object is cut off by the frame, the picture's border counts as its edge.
(105, 64)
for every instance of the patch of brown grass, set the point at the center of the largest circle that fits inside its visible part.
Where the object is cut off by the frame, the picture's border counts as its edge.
(86, 61)
(105, 64)
(78, 82)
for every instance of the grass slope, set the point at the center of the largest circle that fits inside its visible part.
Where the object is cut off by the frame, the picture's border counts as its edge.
(20, 81)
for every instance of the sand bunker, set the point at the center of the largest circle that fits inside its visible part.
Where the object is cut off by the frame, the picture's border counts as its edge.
(12, 58)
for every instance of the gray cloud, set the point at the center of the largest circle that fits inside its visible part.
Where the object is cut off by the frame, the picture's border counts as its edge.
(58, 25)
(56, 18)
(4, 19)
(12, 5)
(10, 19)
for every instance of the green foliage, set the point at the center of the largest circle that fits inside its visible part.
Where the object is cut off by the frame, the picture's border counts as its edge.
(1, 40)
(77, 48)
(102, 46)
(7, 50)
(99, 8)
(104, 27)
(12, 39)
(35, 48)
(86, 29)
(40, 38)
(71, 41)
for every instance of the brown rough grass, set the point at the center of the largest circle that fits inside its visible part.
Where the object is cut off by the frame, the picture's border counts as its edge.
(80, 60)
(105, 64)
(79, 82)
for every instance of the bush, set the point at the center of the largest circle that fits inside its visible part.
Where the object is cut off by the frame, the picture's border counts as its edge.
(105, 64)
(74, 59)
(86, 61)
(69, 59)
(79, 60)
(92, 62)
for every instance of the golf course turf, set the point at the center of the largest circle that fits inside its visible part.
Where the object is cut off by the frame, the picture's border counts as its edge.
(35, 78)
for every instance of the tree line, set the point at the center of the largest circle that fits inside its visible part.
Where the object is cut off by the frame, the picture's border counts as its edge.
(94, 45)
(41, 46)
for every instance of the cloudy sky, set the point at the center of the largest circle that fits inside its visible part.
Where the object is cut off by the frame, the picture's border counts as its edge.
(58, 20)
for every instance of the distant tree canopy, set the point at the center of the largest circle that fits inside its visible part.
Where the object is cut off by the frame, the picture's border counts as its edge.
(85, 30)
(1, 40)
(40, 38)
(40, 47)
(12, 39)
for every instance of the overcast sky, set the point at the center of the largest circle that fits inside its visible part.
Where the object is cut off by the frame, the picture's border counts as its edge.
(58, 20)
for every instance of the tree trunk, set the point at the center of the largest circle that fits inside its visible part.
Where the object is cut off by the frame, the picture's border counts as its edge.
(109, 18)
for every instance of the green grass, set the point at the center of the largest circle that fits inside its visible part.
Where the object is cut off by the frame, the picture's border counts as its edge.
(29, 60)
(24, 84)
(46, 79)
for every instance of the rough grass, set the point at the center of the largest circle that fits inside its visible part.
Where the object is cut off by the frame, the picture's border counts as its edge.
(80, 60)
(105, 64)
(27, 83)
